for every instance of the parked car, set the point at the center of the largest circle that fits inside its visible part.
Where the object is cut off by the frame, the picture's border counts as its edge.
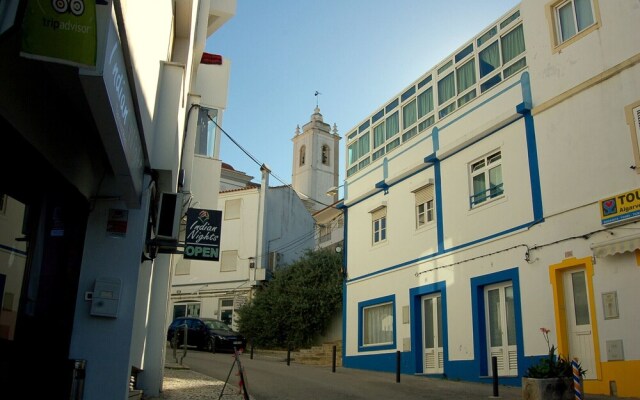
(206, 334)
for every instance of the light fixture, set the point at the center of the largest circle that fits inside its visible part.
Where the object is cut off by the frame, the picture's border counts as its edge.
(332, 191)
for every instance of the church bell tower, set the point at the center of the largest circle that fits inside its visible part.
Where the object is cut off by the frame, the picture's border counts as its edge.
(315, 162)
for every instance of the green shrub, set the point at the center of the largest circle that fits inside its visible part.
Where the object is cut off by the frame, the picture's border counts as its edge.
(552, 366)
(297, 305)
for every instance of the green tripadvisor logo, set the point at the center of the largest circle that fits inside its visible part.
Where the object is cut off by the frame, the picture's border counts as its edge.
(75, 7)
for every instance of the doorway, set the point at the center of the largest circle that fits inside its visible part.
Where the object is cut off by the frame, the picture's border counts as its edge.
(501, 328)
(433, 353)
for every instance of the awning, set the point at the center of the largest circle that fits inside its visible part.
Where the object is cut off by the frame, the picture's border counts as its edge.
(620, 245)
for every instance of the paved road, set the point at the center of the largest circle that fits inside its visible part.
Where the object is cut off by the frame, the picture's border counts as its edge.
(273, 379)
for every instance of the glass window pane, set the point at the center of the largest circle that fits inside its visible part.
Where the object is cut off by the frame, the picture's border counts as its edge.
(409, 115)
(584, 14)
(479, 188)
(485, 38)
(446, 88)
(420, 213)
(425, 102)
(512, 44)
(495, 325)
(205, 133)
(378, 135)
(426, 123)
(580, 299)
(511, 316)
(378, 324)
(466, 76)
(428, 324)
(495, 181)
(363, 145)
(489, 59)
(393, 125)
(353, 153)
(477, 166)
(567, 25)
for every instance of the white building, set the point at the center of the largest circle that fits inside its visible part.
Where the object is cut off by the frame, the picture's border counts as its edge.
(480, 204)
(263, 227)
(98, 121)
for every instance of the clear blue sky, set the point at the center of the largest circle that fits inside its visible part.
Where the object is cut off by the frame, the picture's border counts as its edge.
(357, 53)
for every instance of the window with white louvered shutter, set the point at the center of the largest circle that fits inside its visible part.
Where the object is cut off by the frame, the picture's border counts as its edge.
(424, 205)
(379, 222)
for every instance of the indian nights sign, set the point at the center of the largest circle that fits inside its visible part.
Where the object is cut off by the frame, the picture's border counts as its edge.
(202, 240)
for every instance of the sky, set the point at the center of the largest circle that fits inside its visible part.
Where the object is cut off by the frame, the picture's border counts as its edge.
(357, 54)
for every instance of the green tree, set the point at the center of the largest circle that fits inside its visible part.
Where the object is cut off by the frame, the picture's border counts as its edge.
(297, 305)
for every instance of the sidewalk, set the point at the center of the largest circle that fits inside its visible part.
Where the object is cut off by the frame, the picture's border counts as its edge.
(182, 383)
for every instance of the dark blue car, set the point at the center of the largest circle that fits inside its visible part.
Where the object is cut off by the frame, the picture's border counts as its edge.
(206, 334)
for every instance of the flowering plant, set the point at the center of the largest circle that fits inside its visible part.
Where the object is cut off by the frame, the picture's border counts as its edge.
(552, 366)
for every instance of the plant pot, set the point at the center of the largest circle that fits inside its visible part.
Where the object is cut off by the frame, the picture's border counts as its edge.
(548, 389)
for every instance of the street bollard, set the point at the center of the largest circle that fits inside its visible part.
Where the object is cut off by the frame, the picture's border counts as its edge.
(251, 351)
(77, 384)
(288, 355)
(577, 387)
(494, 371)
(398, 366)
(333, 367)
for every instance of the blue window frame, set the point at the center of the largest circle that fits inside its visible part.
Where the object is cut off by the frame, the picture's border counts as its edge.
(377, 324)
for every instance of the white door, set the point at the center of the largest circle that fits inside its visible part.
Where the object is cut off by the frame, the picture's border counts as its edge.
(432, 334)
(578, 321)
(501, 328)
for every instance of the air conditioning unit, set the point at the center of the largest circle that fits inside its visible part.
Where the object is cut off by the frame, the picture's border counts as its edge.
(167, 225)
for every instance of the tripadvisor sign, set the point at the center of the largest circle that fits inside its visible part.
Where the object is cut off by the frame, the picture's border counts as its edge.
(202, 241)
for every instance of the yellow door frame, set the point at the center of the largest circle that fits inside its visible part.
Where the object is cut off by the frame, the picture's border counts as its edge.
(556, 272)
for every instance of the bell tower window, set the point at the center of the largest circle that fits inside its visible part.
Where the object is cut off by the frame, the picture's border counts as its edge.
(325, 154)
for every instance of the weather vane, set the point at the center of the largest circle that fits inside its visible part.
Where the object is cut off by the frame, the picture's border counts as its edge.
(317, 93)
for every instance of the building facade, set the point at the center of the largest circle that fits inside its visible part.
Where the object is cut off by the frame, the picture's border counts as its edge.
(495, 196)
(263, 228)
(105, 106)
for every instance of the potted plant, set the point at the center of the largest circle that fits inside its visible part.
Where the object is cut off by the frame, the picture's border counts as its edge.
(552, 378)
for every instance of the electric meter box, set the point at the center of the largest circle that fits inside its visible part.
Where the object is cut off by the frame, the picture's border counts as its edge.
(106, 297)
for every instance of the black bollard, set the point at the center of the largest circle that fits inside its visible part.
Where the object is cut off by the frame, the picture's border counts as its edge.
(333, 368)
(398, 366)
(288, 355)
(251, 351)
(494, 371)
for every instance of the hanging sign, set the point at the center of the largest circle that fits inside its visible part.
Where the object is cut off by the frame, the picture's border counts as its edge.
(202, 239)
(62, 31)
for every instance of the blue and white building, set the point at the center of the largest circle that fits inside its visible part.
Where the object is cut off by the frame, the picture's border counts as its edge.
(497, 195)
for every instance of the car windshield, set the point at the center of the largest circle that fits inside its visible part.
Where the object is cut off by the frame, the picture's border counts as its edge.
(213, 324)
